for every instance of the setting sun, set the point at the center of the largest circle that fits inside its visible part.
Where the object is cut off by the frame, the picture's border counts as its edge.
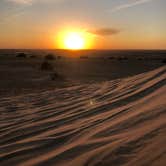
(74, 41)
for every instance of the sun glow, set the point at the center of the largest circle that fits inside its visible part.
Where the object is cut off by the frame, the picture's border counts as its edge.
(74, 40)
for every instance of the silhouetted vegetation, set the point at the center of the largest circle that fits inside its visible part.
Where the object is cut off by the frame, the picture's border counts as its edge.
(50, 57)
(140, 59)
(46, 66)
(55, 76)
(59, 57)
(33, 56)
(122, 58)
(164, 61)
(111, 58)
(84, 57)
(21, 55)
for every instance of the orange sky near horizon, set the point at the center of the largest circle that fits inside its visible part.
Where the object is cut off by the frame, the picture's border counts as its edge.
(108, 24)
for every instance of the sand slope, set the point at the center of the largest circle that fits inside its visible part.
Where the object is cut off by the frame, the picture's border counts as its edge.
(119, 122)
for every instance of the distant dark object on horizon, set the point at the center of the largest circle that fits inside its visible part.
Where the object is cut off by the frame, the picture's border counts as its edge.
(122, 58)
(21, 55)
(33, 56)
(55, 76)
(140, 59)
(84, 57)
(50, 57)
(58, 57)
(164, 61)
(46, 66)
(111, 58)
(118, 58)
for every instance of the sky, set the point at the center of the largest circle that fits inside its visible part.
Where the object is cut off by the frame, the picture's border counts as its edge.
(113, 24)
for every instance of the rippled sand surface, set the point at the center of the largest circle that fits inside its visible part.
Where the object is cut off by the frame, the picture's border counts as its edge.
(119, 122)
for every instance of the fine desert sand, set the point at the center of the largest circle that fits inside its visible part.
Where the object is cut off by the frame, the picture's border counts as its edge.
(108, 123)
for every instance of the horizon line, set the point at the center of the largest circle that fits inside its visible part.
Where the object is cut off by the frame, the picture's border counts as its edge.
(123, 49)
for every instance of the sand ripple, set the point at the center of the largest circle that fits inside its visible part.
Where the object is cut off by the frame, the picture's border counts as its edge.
(119, 122)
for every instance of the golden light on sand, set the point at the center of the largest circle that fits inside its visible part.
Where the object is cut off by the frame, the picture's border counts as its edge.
(74, 40)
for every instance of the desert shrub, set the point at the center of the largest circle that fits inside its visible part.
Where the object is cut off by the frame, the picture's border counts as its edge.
(122, 58)
(111, 58)
(21, 55)
(59, 57)
(55, 76)
(46, 66)
(164, 61)
(49, 57)
(119, 58)
(84, 57)
(33, 56)
(125, 58)
(140, 59)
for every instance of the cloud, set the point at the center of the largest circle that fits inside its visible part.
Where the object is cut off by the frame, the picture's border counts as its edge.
(104, 31)
(30, 2)
(16, 10)
(129, 5)
(21, 1)
(22, 6)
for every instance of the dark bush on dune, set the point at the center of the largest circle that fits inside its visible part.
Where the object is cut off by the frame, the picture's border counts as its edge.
(46, 66)
(84, 57)
(111, 58)
(164, 61)
(33, 56)
(125, 58)
(119, 59)
(122, 58)
(55, 76)
(21, 55)
(140, 59)
(50, 57)
(59, 57)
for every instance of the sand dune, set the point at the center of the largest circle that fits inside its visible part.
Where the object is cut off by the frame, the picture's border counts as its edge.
(119, 122)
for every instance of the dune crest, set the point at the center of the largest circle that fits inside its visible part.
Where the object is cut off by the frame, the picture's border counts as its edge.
(119, 122)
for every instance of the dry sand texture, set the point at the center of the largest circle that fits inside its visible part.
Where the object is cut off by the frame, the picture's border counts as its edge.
(118, 122)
